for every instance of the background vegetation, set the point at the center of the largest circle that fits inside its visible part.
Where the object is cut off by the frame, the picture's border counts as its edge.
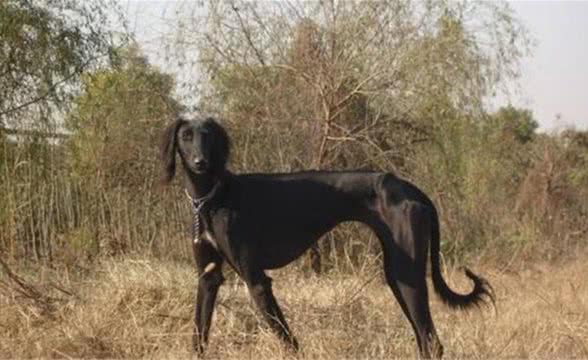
(396, 86)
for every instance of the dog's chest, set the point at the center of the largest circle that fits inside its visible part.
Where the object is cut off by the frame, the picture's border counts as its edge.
(213, 229)
(209, 237)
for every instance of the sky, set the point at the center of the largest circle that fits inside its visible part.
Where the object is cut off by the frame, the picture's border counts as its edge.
(554, 81)
(554, 78)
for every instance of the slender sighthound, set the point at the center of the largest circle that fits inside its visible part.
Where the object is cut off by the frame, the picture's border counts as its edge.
(256, 222)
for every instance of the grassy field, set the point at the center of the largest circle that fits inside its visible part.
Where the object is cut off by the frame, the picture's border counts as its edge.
(132, 307)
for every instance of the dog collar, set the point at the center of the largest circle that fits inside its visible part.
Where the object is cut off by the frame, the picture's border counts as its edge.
(197, 205)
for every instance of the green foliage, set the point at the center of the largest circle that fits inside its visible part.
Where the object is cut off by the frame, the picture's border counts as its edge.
(117, 119)
(72, 197)
(576, 143)
(473, 173)
(518, 123)
(44, 47)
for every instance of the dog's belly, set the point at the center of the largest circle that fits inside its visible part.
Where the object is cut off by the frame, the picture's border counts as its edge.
(280, 250)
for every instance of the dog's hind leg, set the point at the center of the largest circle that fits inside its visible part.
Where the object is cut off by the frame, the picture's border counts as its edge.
(260, 287)
(209, 263)
(405, 247)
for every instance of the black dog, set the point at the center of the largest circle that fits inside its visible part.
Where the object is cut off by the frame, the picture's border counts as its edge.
(256, 222)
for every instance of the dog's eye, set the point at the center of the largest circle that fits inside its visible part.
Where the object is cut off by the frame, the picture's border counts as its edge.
(187, 135)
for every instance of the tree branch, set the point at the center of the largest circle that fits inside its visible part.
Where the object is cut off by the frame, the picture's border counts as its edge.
(52, 88)
(247, 35)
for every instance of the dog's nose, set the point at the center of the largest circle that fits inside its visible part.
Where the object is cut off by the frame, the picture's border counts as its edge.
(200, 163)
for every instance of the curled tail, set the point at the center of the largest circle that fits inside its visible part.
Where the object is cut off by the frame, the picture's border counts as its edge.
(482, 290)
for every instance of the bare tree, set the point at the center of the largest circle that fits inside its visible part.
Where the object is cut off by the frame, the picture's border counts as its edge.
(352, 72)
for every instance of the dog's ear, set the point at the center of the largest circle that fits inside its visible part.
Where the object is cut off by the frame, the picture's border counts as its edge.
(168, 150)
(220, 146)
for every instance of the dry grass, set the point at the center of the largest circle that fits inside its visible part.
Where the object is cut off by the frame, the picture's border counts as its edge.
(142, 308)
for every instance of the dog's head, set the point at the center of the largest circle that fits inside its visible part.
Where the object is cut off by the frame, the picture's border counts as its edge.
(202, 144)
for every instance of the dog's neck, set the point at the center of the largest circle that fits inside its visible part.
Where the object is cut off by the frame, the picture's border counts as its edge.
(200, 185)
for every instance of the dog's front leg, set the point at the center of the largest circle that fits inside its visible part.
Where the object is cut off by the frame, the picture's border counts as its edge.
(209, 263)
(260, 288)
